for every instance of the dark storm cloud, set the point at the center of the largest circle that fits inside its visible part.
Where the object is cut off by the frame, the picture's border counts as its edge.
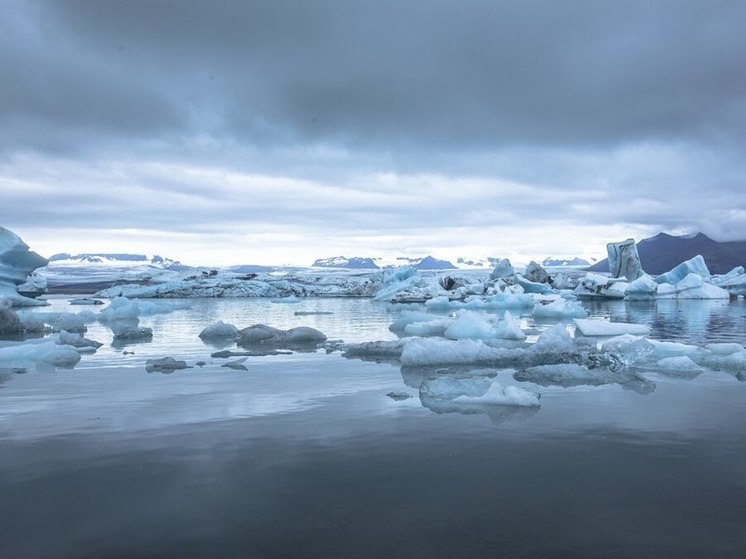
(376, 75)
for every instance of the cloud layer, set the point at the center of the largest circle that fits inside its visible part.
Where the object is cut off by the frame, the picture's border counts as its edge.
(406, 126)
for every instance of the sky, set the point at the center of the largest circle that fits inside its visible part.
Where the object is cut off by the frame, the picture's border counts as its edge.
(278, 131)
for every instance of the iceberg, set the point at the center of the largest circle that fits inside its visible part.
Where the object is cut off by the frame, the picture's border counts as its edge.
(503, 270)
(624, 261)
(693, 286)
(559, 308)
(643, 288)
(17, 262)
(694, 265)
(536, 274)
(469, 325)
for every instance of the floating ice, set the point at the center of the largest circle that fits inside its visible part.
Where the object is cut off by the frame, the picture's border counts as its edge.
(624, 261)
(503, 269)
(290, 299)
(120, 308)
(124, 332)
(164, 365)
(10, 323)
(724, 348)
(695, 265)
(509, 328)
(44, 352)
(644, 287)
(219, 330)
(682, 364)
(86, 301)
(596, 286)
(83, 345)
(559, 308)
(693, 286)
(17, 262)
(592, 327)
(374, 350)
(429, 351)
(433, 327)
(532, 286)
(469, 325)
(261, 334)
(554, 340)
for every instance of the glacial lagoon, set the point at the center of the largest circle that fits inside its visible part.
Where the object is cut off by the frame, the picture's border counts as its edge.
(307, 454)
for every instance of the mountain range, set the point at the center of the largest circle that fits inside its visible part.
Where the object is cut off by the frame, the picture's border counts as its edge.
(662, 252)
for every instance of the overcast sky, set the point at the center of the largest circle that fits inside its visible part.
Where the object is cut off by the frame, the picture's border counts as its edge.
(281, 131)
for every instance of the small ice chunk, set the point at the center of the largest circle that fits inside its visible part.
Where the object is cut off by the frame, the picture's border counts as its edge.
(219, 330)
(644, 287)
(291, 299)
(120, 308)
(509, 328)
(129, 333)
(592, 327)
(10, 322)
(469, 325)
(430, 351)
(164, 365)
(554, 340)
(47, 352)
(434, 327)
(560, 308)
(86, 301)
(303, 334)
(724, 348)
(681, 363)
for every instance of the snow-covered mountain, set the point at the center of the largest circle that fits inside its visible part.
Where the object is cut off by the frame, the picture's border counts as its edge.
(90, 271)
(570, 261)
(115, 259)
(356, 262)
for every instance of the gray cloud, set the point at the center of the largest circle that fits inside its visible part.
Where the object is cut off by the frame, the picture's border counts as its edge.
(417, 73)
(382, 118)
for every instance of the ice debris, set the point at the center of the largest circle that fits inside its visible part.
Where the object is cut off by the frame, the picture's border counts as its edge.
(219, 330)
(476, 391)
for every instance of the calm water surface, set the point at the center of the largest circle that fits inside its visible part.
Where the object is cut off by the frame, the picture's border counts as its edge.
(305, 455)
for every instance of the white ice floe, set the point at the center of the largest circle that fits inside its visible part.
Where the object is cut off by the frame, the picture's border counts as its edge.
(593, 327)
(559, 308)
(693, 286)
(470, 325)
(694, 265)
(39, 352)
(682, 364)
